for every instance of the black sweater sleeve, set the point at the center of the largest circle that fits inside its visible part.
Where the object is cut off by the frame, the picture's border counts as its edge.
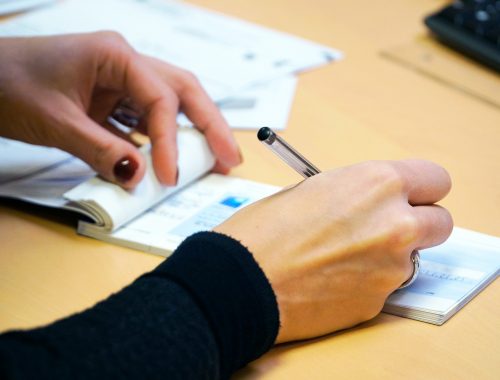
(202, 314)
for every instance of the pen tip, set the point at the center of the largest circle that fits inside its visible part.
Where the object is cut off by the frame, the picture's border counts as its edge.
(264, 133)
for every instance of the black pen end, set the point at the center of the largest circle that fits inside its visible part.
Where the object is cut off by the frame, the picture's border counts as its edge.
(264, 133)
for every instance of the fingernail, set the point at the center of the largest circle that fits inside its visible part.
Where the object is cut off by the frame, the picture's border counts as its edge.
(125, 169)
(241, 156)
(177, 176)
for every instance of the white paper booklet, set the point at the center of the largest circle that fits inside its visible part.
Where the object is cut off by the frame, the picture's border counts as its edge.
(225, 53)
(152, 217)
(451, 274)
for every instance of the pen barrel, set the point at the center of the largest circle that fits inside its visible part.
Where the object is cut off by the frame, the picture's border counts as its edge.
(288, 154)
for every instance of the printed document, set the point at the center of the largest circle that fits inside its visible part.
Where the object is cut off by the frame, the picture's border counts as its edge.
(225, 53)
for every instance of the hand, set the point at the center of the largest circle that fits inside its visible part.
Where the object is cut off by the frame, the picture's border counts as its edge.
(336, 245)
(59, 91)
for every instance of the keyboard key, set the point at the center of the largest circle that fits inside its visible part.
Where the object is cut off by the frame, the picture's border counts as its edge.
(472, 27)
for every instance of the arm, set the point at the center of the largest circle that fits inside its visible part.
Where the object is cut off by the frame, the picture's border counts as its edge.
(202, 314)
(333, 247)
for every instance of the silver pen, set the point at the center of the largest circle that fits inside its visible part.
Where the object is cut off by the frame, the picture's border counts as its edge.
(287, 153)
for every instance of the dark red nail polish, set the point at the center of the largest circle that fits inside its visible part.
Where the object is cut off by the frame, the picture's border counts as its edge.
(125, 169)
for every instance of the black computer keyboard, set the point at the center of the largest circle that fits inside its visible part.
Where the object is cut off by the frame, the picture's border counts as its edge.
(472, 27)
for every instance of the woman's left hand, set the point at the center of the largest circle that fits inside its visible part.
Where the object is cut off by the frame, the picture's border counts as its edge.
(59, 91)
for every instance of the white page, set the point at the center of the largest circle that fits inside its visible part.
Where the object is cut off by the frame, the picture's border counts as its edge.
(19, 159)
(198, 207)
(12, 6)
(120, 206)
(39, 174)
(451, 272)
(267, 104)
(226, 54)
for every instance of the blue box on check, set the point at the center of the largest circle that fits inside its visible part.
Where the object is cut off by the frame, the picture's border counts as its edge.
(234, 202)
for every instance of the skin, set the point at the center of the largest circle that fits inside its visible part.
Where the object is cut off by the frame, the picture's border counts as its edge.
(333, 247)
(59, 91)
(338, 244)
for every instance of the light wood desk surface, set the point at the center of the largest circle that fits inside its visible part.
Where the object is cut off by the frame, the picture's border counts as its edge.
(365, 107)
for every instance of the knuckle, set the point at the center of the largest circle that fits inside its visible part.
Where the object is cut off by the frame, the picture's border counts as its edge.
(406, 229)
(170, 99)
(110, 36)
(166, 104)
(188, 80)
(387, 175)
(109, 40)
(383, 175)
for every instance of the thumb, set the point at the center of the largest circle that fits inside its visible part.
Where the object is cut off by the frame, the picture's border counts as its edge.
(114, 158)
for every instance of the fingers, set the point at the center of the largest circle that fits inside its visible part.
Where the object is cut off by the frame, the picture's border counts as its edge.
(159, 90)
(121, 69)
(160, 105)
(405, 193)
(112, 157)
(204, 114)
(424, 182)
(434, 225)
(207, 118)
(426, 226)
(162, 130)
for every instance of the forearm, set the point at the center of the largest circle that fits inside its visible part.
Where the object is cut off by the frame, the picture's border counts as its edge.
(166, 324)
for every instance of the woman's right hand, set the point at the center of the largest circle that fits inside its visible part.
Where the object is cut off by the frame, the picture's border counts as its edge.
(336, 245)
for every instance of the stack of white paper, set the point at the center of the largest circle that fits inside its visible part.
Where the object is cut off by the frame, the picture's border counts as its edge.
(231, 57)
(451, 275)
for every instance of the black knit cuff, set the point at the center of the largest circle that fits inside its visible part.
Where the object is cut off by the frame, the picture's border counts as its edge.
(233, 292)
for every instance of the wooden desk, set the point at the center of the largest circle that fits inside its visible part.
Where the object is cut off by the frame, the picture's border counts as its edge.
(365, 107)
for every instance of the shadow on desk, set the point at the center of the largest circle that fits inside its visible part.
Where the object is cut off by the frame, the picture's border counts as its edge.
(284, 352)
(29, 211)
